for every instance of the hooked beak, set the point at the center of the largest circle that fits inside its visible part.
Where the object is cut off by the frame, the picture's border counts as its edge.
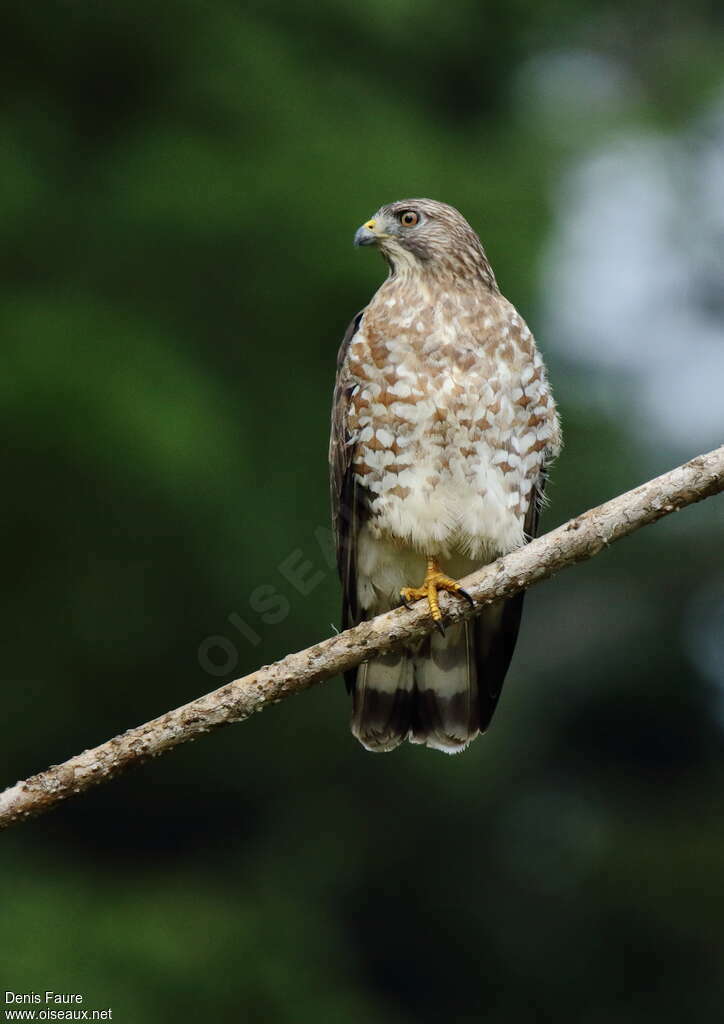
(366, 235)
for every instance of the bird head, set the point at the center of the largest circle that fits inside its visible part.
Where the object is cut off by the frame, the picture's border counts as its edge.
(425, 236)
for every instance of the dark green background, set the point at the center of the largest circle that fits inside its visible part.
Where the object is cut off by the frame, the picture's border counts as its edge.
(180, 186)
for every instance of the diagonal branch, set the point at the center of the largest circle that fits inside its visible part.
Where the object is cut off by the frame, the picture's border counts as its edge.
(575, 541)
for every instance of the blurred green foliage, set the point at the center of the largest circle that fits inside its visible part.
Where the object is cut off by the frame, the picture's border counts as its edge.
(181, 183)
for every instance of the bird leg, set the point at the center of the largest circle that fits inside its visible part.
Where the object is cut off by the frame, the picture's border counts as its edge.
(434, 581)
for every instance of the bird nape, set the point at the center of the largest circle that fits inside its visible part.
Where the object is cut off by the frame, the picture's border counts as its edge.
(443, 425)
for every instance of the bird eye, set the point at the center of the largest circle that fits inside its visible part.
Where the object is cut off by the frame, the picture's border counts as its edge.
(409, 218)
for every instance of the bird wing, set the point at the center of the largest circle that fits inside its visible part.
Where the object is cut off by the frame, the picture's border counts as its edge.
(347, 504)
(495, 630)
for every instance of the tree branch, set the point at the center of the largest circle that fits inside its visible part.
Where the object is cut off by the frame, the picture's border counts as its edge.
(577, 540)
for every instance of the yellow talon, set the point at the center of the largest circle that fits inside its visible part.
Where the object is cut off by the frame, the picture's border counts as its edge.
(434, 581)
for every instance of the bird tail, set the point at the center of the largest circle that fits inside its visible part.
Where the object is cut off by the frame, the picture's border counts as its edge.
(382, 696)
(446, 714)
(443, 692)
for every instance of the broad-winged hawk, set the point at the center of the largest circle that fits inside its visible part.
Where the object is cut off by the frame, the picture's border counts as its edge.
(443, 424)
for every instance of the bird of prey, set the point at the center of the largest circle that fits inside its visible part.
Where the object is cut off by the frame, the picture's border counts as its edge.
(443, 425)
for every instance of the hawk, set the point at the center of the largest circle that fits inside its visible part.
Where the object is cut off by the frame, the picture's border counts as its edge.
(443, 425)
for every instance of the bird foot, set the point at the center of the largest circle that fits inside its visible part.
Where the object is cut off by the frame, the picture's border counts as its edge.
(434, 581)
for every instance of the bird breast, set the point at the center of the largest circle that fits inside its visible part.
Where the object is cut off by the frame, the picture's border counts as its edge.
(449, 415)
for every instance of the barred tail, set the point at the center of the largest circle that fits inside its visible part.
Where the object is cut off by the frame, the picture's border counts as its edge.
(444, 692)
(446, 712)
(382, 697)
